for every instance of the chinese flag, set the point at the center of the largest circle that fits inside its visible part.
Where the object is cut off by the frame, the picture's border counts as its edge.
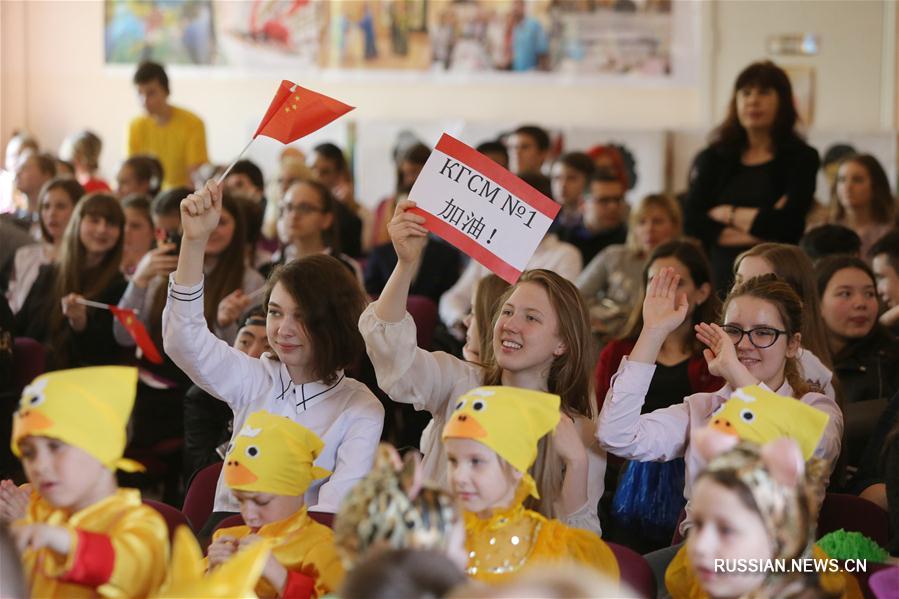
(138, 332)
(296, 111)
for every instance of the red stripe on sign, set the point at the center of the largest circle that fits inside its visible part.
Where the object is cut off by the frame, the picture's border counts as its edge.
(468, 245)
(478, 162)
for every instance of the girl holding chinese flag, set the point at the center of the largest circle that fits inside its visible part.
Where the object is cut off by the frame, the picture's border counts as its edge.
(541, 341)
(87, 267)
(312, 306)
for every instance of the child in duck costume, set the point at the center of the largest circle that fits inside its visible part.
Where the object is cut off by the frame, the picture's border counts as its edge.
(82, 536)
(491, 441)
(269, 468)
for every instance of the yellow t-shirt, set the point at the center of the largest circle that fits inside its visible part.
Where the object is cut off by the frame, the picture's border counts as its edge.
(131, 561)
(180, 144)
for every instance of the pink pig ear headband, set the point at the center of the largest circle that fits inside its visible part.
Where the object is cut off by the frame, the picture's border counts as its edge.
(781, 484)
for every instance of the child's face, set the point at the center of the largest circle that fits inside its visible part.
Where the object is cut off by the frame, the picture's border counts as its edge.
(478, 478)
(724, 528)
(525, 336)
(65, 476)
(259, 509)
(286, 333)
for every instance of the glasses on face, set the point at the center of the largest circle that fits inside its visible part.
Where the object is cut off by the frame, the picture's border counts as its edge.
(301, 209)
(760, 337)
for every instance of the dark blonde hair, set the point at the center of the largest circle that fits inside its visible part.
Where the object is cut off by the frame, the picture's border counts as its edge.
(788, 305)
(654, 200)
(793, 266)
(487, 295)
(569, 376)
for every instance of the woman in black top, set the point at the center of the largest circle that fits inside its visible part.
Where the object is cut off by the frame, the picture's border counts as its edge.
(756, 181)
(87, 268)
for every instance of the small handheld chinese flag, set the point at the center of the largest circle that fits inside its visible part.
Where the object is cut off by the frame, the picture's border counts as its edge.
(138, 332)
(296, 111)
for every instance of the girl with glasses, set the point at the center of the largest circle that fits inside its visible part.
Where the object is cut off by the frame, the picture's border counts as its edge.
(308, 226)
(756, 344)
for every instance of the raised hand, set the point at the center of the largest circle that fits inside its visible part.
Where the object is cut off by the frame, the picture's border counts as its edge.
(13, 501)
(201, 211)
(231, 307)
(407, 233)
(664, 307)
(154, 263)
(721, 356)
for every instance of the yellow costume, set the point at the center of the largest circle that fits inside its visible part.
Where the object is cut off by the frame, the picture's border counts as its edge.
(682, 583)
(119, 547)
(301, 545)
(758, 415)
(511, 421)
(179, 144)
(273, 454)
(187, 577)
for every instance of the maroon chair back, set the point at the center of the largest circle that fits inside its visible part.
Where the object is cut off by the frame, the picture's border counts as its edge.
(635, 571)
(173, 518)
(200, 496)
(29, 360)
(424, 312)
(854, 514)
(678, 537)
(233, 520)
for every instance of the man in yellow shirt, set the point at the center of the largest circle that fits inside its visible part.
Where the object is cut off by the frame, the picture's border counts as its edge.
(174, 135)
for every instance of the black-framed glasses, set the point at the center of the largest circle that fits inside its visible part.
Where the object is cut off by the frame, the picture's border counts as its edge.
(760, 337)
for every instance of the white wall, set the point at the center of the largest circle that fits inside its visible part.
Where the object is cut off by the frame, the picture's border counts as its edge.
(54, 82)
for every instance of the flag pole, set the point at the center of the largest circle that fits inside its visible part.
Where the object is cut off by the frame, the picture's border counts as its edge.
(228, 170)
(93, 304)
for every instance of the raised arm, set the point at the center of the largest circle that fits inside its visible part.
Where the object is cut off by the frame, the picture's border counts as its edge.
(211, 363)
(409, 238)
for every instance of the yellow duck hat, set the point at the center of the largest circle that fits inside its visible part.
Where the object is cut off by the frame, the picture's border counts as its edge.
(187, 576)
(761, 416)
(508, 420)
(273, 454)
(84, 407)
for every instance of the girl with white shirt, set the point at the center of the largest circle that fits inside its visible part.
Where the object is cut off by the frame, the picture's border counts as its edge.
(541, 341)
(312, 306)
(757, 345)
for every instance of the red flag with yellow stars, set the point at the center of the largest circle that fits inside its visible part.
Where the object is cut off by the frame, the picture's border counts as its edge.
(296, 111)
(138, 332)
